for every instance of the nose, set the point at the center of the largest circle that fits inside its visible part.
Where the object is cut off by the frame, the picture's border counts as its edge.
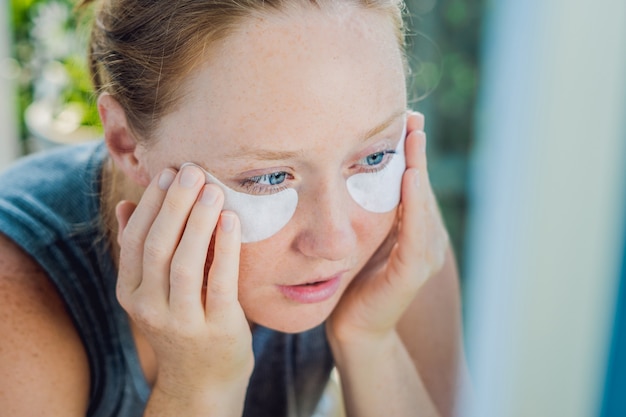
(326, 220)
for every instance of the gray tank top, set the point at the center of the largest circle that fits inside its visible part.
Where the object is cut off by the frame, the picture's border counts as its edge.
(49, 206)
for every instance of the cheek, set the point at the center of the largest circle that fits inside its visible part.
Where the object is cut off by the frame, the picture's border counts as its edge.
(258, 260)
(374, 229)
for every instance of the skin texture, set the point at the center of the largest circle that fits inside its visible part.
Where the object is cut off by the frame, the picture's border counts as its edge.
(40, 348)
(394, 322)
(300, 108)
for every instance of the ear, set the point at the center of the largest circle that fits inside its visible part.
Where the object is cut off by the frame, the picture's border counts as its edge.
(121, 141)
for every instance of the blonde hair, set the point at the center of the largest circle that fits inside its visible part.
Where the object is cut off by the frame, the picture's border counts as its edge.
(140, 50)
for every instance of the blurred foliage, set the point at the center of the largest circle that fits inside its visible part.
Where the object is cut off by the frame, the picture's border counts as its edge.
(443, 50)
(50, 44)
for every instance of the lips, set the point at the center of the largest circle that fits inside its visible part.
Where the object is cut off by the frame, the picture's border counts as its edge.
(312, 292)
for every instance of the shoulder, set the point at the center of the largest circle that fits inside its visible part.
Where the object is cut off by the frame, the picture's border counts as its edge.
(68, 162)
(49, 177)
(47, 195)
(41, 349)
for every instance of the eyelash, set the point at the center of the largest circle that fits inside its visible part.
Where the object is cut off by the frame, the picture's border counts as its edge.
(383, 163)
(252, 185)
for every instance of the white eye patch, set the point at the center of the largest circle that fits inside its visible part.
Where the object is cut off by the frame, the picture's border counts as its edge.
(261, 216)
(379, 192)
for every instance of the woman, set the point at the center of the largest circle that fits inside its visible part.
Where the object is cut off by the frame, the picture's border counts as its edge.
(237, 233)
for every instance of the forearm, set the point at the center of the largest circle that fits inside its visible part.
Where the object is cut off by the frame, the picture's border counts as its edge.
(220, 401)
(381, 379)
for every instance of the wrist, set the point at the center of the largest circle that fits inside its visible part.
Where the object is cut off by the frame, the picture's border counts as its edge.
(215, 398)
(379, 377)
(180, 384)
(363, 347)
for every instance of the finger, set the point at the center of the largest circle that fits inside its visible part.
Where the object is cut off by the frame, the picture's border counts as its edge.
(166, 231)
(223, 276)
(422, 235)
(415, 150)
(134, 227)
(415, 121)
(412, 234)
(188, 263)
(416, 208)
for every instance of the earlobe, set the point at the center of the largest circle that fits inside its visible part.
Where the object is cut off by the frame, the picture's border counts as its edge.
(120, 140)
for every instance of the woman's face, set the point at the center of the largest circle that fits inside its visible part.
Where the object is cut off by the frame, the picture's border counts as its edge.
(308, 96)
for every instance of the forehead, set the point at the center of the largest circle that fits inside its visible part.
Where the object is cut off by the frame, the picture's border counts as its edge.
(305, 72)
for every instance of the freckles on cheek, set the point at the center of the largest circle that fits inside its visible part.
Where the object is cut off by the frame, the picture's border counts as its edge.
(256, 259)
(376, 224)
(383, 226)
(246, 260)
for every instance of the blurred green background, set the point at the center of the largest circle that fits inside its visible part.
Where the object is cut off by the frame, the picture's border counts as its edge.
(50, 51)
(444, 54)
(50, 40)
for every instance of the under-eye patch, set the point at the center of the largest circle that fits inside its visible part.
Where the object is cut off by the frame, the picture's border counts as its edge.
(261, 216)
(379, 192)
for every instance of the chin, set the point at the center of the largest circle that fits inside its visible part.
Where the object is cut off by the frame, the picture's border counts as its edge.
(291, 319)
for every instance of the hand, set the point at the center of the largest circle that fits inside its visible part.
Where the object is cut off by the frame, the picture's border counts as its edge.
(414, 250)
(200, 335)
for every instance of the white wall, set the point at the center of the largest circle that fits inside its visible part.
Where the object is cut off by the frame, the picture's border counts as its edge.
(548, 190)
(8, 125)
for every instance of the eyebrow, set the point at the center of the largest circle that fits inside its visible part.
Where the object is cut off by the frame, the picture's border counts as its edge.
(276, 155)
(381, 127)
(265, 154)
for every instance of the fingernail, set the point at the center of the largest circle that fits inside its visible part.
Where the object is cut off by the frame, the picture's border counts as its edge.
(209, 196)
(166, 179)
(189, 177)
(416, 179)
(227, 222)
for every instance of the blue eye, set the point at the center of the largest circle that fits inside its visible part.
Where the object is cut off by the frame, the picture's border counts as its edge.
(266, 183)
(375, 158)
(274, 178)
(376, 161)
